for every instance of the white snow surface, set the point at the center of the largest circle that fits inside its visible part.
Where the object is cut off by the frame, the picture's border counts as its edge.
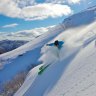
(73, 68)
(20, 59)
(73, 71)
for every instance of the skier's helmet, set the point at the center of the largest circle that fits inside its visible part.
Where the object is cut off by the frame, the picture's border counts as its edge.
(56, 43)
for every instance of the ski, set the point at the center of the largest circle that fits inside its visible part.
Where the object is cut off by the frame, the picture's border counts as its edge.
(42, 69)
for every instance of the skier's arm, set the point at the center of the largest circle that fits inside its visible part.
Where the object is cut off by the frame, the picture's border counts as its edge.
(51, 44)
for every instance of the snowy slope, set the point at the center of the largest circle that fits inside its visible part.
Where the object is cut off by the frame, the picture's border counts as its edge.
(79, 78)
(73, 73)
(22, 58)
(83, 18)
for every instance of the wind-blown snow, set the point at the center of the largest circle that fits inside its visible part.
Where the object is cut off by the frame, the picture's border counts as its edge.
(73, 73)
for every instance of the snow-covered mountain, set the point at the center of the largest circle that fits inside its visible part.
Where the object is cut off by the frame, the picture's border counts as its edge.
(73, 73)
(25, 34)
(8, 45)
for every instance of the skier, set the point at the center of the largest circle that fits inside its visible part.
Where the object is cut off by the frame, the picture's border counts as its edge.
(57, 43)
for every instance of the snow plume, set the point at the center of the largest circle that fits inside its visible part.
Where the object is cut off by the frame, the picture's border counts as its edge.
(78, 39)
(50, 55)
(78, 36)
